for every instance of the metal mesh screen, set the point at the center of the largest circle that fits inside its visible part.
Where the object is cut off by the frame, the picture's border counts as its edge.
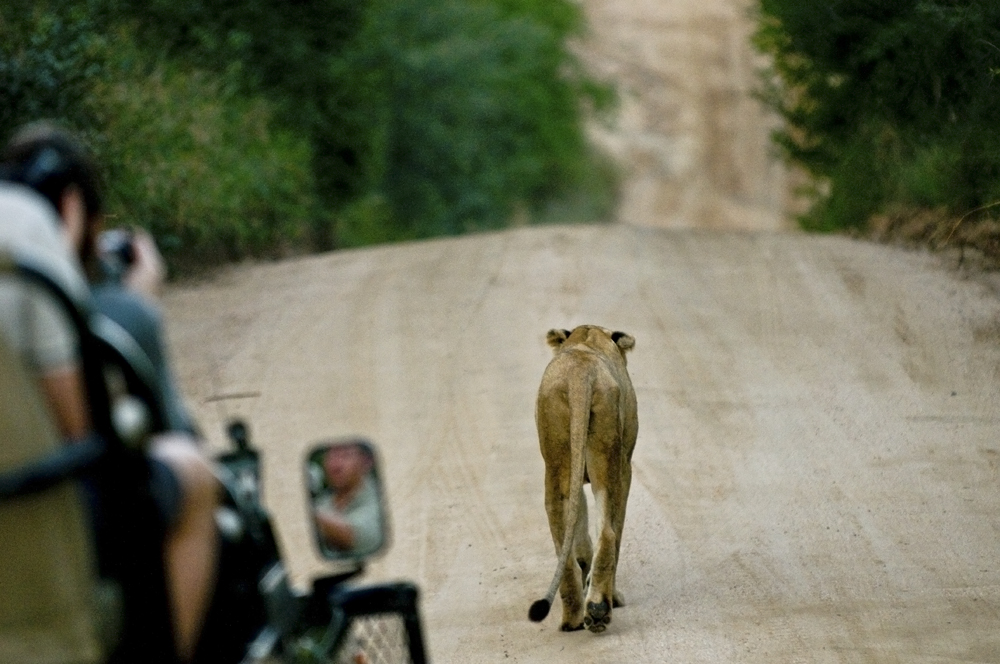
(376, 639)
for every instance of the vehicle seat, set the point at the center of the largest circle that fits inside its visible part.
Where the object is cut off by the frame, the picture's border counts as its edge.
(50, 595)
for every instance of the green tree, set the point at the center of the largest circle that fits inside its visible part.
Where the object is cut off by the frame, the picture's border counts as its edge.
(47, 61)
(235, 129)
(465, 113)
(200, 165)
(186, 153)
(889, 103)
(423, 118)
(278, 49)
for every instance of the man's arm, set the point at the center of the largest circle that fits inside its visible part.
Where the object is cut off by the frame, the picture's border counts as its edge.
(66, 396)
(336, 531)
(148, 271)
(53, 346)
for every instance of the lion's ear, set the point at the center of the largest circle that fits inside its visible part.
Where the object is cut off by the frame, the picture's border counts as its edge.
(555, 338)
(623, 340)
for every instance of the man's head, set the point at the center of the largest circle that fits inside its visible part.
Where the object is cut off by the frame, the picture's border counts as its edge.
(53, 162)
(346, 465)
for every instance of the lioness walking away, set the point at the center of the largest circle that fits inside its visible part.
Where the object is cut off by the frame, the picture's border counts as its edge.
(587, 424)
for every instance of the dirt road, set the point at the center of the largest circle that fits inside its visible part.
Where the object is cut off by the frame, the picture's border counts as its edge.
(816, 476)
(693, 143)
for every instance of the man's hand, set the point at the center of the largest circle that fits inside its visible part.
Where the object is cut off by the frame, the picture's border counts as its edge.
(336, 531)
(148, 271)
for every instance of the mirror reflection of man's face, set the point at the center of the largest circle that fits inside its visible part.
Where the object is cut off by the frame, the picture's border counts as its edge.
(345, 466)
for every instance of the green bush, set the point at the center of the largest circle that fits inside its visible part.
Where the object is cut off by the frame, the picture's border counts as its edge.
(47, 61)
(886, 104)
(460, 114)
(198, 163)
(424, 118)
(185, 152)
(254, 128)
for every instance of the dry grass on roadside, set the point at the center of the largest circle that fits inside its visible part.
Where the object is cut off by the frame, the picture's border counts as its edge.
(973, 238)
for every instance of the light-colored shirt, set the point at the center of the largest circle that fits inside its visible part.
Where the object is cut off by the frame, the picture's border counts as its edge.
(35, 326)
(364, 513)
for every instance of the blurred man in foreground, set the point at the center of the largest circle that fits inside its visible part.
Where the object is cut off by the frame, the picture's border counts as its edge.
(51, 195)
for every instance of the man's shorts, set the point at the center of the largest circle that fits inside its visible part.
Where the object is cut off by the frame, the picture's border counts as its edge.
(166, 492)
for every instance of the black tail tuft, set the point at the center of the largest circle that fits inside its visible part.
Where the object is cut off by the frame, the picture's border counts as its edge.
(539, 610)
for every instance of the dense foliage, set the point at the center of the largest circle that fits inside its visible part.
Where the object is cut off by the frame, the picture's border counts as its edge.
(204, 168)
(466, 117)
(889, 104)
(267, 126)
(47, 61)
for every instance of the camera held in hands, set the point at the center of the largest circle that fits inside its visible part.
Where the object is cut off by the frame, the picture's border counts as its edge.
(116, 253)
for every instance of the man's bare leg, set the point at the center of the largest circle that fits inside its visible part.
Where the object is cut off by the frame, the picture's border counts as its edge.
(191, 549)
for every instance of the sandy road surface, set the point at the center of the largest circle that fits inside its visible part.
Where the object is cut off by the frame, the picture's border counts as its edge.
(693, 144)
(816, 476)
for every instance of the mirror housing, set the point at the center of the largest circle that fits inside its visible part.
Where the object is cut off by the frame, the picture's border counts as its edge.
(346, 499)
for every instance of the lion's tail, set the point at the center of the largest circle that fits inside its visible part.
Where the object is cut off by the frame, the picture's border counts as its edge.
(579, 394)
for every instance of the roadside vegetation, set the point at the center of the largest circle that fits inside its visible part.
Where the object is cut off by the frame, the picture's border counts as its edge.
(893, 109)
(266, 128)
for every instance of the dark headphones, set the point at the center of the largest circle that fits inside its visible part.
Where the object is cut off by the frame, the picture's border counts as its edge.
(48, 169)
(44, 165)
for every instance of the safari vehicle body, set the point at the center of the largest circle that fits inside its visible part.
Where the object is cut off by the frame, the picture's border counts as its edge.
(75, 593)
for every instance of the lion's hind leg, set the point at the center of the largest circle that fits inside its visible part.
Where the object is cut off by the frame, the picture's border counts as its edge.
(601, 593)
(571, 593)
(575, 575)
(557, 503)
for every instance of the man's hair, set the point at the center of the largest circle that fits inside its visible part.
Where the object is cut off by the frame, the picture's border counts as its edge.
(49, 159)
(363, 447)
(366, 450)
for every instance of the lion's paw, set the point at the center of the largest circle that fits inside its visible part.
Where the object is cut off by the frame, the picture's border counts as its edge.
(598, 616)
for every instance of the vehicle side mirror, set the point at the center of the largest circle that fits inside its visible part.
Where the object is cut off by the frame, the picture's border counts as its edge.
(346, 499)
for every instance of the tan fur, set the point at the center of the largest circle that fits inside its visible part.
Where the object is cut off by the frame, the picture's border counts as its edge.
(587, 425)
